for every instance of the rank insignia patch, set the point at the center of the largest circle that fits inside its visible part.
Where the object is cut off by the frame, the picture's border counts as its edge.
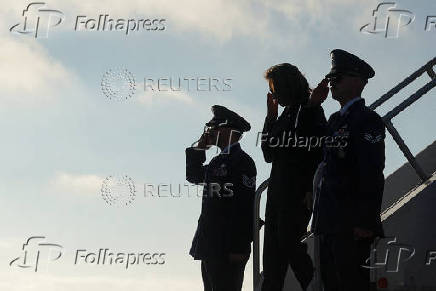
(372, 139)
(249, 182)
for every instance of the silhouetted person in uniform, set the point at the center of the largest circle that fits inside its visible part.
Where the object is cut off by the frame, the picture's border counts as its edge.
(225, 227)
(350, 189)
(291, 143)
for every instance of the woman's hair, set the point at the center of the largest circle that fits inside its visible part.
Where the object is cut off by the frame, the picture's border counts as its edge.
(288, 77)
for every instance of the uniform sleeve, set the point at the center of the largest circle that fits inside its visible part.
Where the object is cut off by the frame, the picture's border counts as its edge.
(268, 151)
(195, 170)
(240, 233)
(314, 127)
(370, 162)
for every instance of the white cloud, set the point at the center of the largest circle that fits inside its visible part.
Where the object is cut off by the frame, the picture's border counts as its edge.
(148, 98)
(223, 20)
(316, 9)
(75, 183)
(219, 19)
(30, 76)
(29, 73)
(8, 243)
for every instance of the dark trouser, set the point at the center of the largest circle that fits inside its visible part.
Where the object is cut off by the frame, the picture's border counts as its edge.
(219, 274)
(341, 259)
(283, 247)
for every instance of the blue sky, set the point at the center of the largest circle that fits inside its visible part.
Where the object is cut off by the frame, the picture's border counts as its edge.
(62, 136)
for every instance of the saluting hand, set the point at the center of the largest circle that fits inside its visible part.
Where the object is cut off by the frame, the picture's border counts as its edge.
(319, 94)
(203, 142)
(273, 106)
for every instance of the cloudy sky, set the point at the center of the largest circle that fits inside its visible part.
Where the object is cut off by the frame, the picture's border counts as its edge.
(62, 136)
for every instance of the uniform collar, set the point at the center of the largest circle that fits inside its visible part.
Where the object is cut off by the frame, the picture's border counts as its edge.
(226, 150)
(348, 105)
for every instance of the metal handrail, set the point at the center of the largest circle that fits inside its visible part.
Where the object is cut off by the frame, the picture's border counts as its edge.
(387, 118)
(404, 83)
(256, 235)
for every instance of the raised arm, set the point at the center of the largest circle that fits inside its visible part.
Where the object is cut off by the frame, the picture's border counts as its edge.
(195, 170)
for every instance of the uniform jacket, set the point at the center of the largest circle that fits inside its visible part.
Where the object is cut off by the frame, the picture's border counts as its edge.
(226, 220)
(351, 185)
